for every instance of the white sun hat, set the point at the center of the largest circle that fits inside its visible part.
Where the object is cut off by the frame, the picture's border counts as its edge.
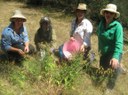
(18, 14)
(110, 8)
(82, 6)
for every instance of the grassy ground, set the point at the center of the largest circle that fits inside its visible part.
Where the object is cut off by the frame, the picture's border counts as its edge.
(30, 80)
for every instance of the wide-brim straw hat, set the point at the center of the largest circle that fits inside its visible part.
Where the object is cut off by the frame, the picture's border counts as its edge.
(110, 8)
(18, 14)
(82, 6)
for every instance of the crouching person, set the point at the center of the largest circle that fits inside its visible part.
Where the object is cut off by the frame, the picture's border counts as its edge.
(14, 40)
(45, 37)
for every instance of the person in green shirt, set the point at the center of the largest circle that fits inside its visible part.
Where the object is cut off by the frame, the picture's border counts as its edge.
(110, 39)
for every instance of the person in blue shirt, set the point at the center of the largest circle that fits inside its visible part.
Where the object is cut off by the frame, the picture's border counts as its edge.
(14, 39)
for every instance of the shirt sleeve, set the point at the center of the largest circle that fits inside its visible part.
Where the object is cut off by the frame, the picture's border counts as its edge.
(6, 39)
(87, 33)
(118, 41)
(25, 34)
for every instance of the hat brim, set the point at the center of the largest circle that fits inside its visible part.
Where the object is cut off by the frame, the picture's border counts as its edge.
(103, 10)
(13, 18)
(82, 9)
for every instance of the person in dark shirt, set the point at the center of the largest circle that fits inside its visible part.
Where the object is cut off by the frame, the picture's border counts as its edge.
(45, 36)
(44, 33)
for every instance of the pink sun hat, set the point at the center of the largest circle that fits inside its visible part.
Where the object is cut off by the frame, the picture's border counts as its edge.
(72, 46)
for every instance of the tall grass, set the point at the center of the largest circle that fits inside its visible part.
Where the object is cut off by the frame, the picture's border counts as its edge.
(46, 76)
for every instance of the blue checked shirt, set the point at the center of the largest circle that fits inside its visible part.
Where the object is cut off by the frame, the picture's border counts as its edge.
(10, 37)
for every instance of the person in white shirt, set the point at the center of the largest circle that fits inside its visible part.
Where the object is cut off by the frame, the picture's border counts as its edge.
(81, 29)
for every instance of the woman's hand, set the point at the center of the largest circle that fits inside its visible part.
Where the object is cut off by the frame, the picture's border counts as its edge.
(26, 49)
(114, 63)
(72, 38)
(21, 52)
(82, 48)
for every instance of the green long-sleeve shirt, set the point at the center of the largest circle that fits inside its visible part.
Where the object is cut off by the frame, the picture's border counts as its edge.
(110, 39)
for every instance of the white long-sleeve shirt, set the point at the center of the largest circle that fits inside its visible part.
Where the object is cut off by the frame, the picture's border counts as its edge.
(84, 29)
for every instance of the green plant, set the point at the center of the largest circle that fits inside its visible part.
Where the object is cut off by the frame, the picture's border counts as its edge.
(18, 78)
(69, 71)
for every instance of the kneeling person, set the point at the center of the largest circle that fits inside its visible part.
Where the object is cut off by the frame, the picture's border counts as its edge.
(14, 40)
(44, 37)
